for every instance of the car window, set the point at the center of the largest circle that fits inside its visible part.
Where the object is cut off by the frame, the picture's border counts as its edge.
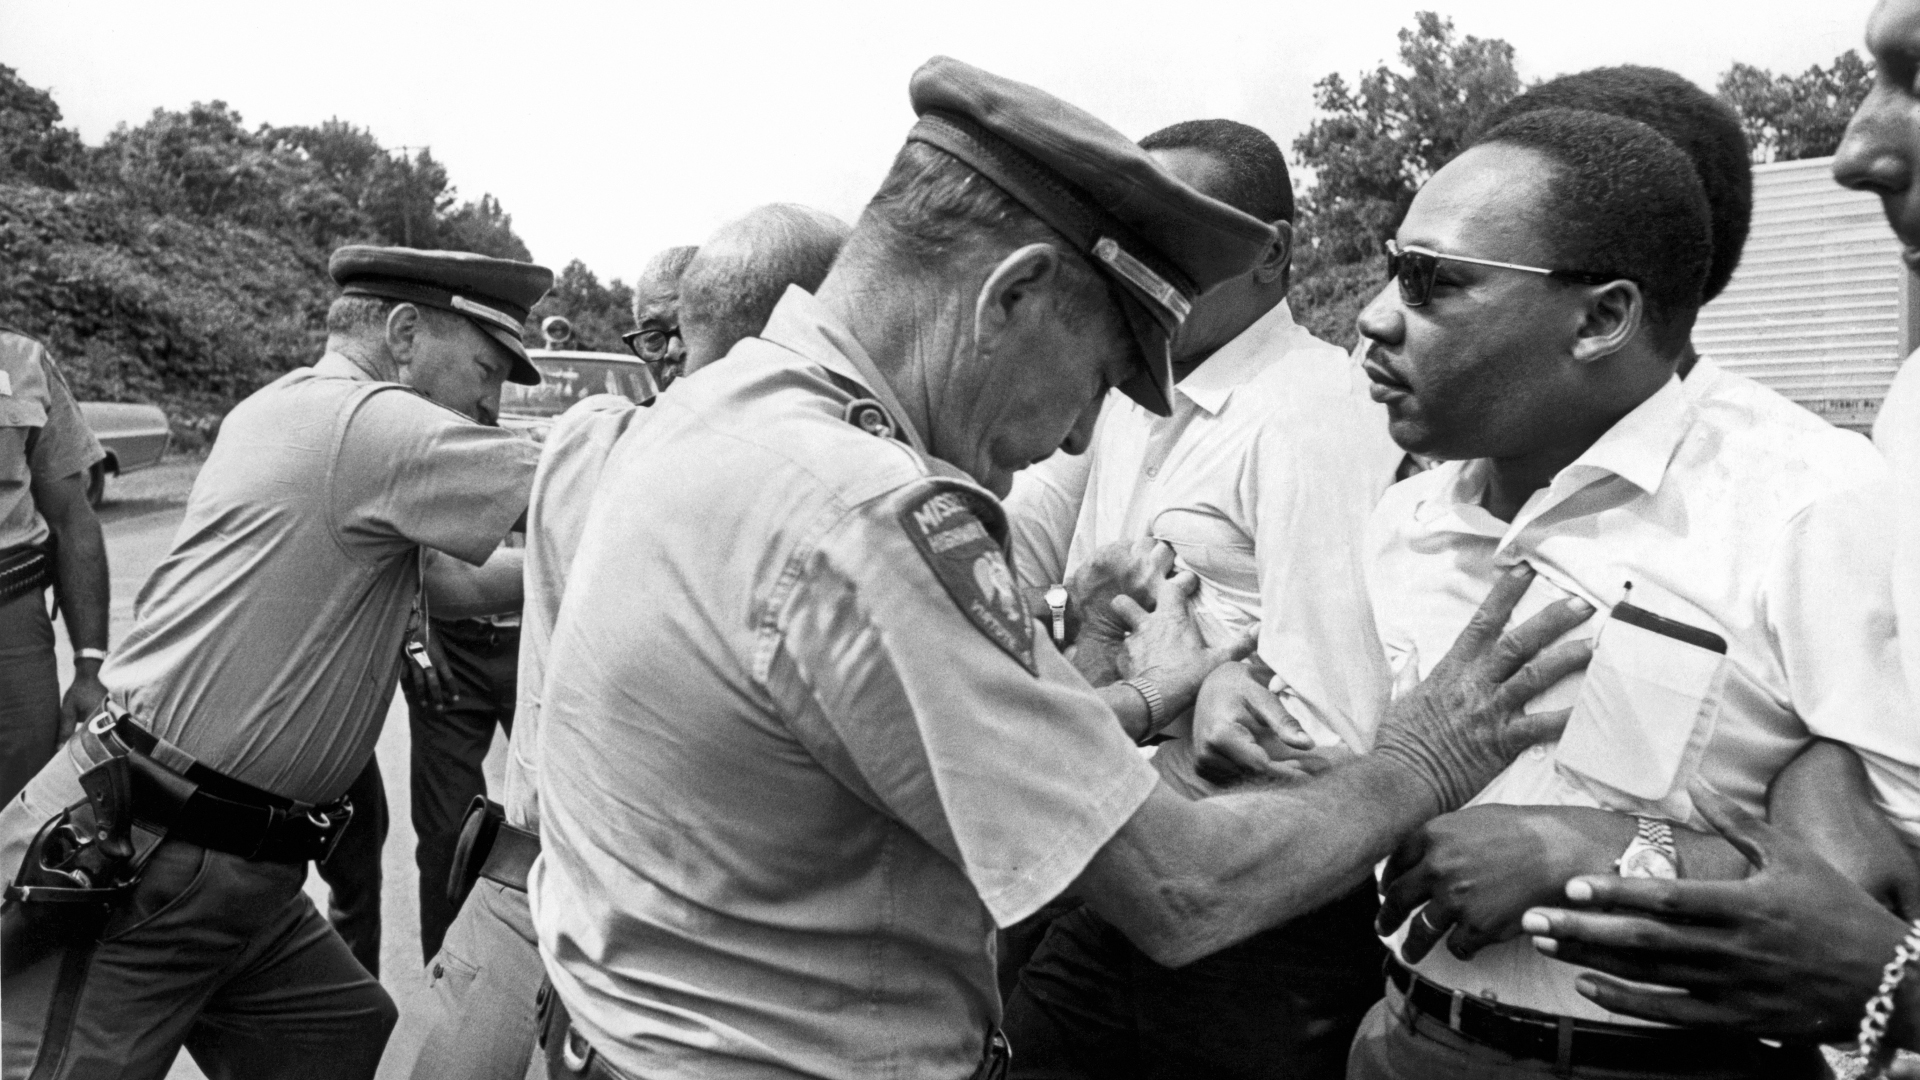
(564, 381)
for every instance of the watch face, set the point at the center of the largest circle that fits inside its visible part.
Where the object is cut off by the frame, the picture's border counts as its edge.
(1647, 862)
(1056, 597)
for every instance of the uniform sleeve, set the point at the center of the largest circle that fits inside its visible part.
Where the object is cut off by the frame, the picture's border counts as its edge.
(66, 444)
(1829, 603)
(410, 472)
(1018, 776)
(1042, 510)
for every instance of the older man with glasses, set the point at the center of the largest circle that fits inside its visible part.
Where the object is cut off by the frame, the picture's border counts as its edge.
(656, 314)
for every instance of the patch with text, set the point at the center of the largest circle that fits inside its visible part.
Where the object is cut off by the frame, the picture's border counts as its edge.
(944, 524)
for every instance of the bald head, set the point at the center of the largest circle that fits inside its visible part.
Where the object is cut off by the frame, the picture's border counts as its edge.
(732, 285)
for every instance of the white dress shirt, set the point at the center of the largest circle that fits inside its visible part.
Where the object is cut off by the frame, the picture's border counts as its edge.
(1707, 498)
(1262, 481)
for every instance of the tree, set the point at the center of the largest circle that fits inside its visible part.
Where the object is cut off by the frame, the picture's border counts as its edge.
(1791, 117)
(1376, 144)
(33, 145)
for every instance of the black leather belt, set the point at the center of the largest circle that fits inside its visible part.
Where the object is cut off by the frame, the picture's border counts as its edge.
(1571, 1043)
(511, 856)
(24, 570)
(189, 801)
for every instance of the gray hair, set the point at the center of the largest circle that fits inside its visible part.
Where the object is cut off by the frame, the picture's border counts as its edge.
(732, 285)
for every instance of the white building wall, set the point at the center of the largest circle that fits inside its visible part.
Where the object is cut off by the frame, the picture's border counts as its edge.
(1821, 307)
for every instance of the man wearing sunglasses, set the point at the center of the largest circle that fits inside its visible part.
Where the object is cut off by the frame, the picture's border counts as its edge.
(655, 337)
(1544, 286)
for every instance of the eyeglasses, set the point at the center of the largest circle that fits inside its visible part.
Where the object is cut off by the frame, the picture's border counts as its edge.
(652, 341)
(1414, 268)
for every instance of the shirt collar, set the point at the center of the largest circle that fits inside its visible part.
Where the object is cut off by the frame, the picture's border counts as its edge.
(803, 325)
(1639, 446)
(338, 366)
(1238, 361)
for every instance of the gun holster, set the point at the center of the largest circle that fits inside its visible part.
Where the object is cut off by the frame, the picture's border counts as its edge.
(477, 834)
(83, 861)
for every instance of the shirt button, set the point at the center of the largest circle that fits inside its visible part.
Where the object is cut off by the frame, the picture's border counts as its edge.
(439, 972)
(1536, 751)
(1153, 470)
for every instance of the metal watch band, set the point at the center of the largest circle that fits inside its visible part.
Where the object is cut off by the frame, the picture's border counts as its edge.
(1658, 834)
(1057, 604)
(1156, 705)
(89, 654)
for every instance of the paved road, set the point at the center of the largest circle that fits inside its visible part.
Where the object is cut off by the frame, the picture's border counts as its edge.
(138, 535)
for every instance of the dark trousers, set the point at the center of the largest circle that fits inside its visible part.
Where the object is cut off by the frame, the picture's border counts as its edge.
(223, 956)
(449, 746)
(29, 691)
(353, 875)
(1284, 1003)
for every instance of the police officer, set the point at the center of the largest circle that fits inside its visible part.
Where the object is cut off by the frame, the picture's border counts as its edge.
(481, 1020)
(240, 706)
(801, 745)
(48, 536)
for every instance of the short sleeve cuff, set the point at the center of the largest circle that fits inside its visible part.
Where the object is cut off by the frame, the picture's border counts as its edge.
(1012, 895)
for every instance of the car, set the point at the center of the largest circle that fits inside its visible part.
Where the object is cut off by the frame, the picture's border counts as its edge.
(566, 376)
(134, 437)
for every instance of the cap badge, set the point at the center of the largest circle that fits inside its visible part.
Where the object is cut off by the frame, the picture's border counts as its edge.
(1109, 251)
(871, 417)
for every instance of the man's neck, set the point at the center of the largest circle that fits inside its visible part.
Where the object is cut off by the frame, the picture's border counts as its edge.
(1186, 364)
(1511, 481)
(377, 363)
(903, 330)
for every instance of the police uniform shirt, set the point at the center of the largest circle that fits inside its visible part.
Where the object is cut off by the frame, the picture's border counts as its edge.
(571, 460)
(801, 749)
(42, 436)
(267, 643)
(1710, 498)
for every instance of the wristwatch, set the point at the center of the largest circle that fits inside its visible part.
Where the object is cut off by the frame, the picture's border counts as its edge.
(1149, 692)
(1651, 854)
(1056, 597)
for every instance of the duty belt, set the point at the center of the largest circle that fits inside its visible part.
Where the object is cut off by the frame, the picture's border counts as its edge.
(189, 801)
(24, 570)
(1582, 1044)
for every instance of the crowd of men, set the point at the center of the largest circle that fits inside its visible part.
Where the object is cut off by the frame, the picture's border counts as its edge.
(1012, 645)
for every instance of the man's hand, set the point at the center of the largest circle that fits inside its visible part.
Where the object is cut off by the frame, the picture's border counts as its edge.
(1132, 569)
(1241, 731)
(1478, 870)
(1462, 724)
(83, 696)
(1791, 952)
(424, 666)
(1165, 645)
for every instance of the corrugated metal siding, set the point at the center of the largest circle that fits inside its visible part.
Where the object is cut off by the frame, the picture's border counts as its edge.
(1816, 308)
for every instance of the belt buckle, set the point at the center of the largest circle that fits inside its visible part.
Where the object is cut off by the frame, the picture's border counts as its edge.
(1454, 1005)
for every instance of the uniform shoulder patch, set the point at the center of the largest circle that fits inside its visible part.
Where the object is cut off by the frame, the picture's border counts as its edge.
(944, 523)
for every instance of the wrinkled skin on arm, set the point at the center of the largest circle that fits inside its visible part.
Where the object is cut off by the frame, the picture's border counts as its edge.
(81, 583)
(1185, 878)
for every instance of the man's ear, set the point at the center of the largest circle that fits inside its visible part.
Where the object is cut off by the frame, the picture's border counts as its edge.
(1611, 318)
(1010, 299)
(1278, 256)
(403, 333)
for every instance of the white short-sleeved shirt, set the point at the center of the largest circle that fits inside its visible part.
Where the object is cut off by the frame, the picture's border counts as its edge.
(267, 642)
(1262, 481)
(37, 411)
(1708, 499)
(571, 460)
(801, 747)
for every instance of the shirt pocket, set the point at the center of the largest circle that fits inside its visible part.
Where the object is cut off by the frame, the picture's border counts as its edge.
(1212, 546)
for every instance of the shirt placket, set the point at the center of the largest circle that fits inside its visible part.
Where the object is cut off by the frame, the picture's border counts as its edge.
(1163, 436)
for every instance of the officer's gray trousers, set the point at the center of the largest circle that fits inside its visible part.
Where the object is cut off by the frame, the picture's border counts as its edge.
(29, 691)
(481, 1022)
(225, 957)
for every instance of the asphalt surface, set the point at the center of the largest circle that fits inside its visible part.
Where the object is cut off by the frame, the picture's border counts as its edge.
(139, 531)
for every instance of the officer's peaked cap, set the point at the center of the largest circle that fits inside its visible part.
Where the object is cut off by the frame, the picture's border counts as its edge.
(496, 294)
(1161, 242)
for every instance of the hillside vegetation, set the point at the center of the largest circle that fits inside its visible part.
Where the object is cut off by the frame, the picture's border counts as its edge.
(183, 262)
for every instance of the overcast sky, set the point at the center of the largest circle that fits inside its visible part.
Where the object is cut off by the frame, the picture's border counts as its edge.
(612, 129)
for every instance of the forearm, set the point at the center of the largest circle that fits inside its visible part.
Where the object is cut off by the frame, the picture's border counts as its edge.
(82, 583)
(1203, 875)
(1127, 704)
(457, 590)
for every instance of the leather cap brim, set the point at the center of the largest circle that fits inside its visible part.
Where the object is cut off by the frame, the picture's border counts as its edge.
(523, 371)
(1151, 384)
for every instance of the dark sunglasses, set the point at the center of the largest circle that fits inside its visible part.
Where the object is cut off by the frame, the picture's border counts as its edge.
(651, 342)
(1414, 268)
